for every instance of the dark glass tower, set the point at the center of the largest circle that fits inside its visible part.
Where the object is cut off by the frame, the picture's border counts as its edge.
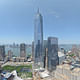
(38, 40)
(53, 59)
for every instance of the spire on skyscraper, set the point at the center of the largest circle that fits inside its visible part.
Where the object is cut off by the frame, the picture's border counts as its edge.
(38, 40)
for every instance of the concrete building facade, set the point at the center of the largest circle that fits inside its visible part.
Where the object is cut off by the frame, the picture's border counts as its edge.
(23, 50)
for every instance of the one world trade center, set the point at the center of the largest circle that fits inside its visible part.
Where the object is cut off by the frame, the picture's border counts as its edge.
(38, 40)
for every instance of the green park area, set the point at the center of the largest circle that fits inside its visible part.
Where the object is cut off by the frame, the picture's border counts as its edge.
(22, 70)
(71, 55)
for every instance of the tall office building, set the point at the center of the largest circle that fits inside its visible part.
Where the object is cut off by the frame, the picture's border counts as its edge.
(2, 53)
(45, 47)
(32, 50)
(10, 54)
(23, 50)
(38, 40)
(53, 59)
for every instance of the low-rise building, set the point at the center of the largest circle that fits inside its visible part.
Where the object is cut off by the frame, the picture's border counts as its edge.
(62, 57)
(64, 72)
(19, 59)
(10, 76)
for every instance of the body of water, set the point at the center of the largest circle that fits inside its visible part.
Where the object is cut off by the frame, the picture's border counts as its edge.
(16, 50)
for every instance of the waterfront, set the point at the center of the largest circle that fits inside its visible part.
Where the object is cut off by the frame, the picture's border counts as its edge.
(16, 50)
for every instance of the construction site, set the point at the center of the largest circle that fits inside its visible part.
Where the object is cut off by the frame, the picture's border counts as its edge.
(42, 75)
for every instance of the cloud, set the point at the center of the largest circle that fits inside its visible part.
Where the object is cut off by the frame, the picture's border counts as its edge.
(54, 13)
(57, 16)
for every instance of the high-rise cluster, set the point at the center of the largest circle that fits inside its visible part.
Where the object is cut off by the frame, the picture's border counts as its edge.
(45, 53)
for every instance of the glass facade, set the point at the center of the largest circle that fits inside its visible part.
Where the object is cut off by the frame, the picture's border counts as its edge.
(53, 59)
(38, 40)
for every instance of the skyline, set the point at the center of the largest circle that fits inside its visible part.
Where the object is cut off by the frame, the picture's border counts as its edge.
(60, 19)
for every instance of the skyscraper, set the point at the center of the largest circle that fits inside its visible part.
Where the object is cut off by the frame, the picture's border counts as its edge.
(38, 40)
(10, 54)
(23, 50)
(32, 50)
(53, 59)
(2, 52)
(45, 46)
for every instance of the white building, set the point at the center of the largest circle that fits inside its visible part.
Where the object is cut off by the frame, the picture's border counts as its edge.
(61, 57)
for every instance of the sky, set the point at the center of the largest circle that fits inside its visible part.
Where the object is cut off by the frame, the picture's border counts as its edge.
(61, 18)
